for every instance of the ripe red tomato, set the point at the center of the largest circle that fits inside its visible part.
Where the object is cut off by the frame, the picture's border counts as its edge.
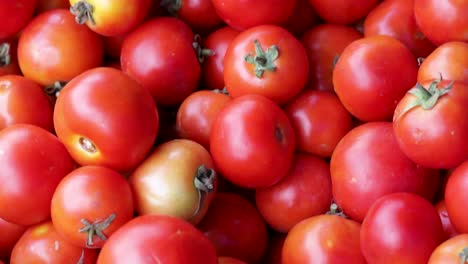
(196, 114)
(372, 75)
(266, 60)
(395, 18)
(400, 228)
(304, 192)
(112, 17)
(323, 239)
(33, 162)
(343, 11)
(42, 243)
(303, 18)
(449, 229)
(456, 197)
(442, 21)
(157, 239)
(236, 228)
(319, 120)
(160, 56)
(324, 44)
(8, 58)
(432, 118)
(368, 163)
(452, 251)
(86, 119)
(11, 233)
(229, 260)
(16, 15)
(46, 5)
(53, 48)
(250, 13)
(252, 142)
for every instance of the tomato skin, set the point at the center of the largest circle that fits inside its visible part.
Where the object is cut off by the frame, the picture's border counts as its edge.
(361, 173)
(442, 21)
(305, 192)
(53, 47)
(46, 5)
(323, 239)
(22, 10)
(196, 114)
(446, 134)
(132, 124)
(11, 233)
(455, 196)
(9, 49)
(159, 55)
(229, 260)
(449, 60)
(148, 235)
(395, 18)
(281, 84)
(447, 225)
(449, 251)
(413, 227)
(323, 43)
(252, 133)
(342, 11)
(235, 227)
(242, 15)
(303, 18)
(42, 243)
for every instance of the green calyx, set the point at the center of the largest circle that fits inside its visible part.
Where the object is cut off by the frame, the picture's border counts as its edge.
(83, 11)
(96, 229)
(5, 56)
(172, 6)
(336, 210)
(55, 88)
(201, 52)
(204, 182)
(427, 98)
(263, 60)
(463, 256)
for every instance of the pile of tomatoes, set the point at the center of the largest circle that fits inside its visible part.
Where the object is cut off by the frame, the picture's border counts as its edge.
(230, 132)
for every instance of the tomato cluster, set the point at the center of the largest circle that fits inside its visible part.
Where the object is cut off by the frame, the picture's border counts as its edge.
(230, 132)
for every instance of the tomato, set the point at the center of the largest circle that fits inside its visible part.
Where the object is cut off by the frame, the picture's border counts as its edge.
(432, 118)
(46, 5)
(8, 58)
(266, 60)
(324, 44)
(452, 251)
(16, 15)
(372, 75)
(250, 13)
(319, 120)
(160, 56)
(25, 102)
(274, 251)
(145, 240)
(236, 228)
(342, 11)
(176, 179)
(53, 48)
(42, 243)
(216, 45)
(447, 225)
(302, 18)
(323, 239)
(304, 192)
(449, 60)
(229, 260)
(395, 18)
(252, 142)
(112, 17)
(442, 21)
(411, 226)
(11, 233)
(456, 197)
(362, 172)
(85, 119)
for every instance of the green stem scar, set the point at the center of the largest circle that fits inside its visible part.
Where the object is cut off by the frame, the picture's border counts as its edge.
(172, 6)
(463, 256)
(204, 183)
(96, 228)
(263, 60)
(5, 56)
(83, 11)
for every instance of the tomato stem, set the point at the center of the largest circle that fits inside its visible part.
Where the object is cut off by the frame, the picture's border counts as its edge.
(336, 210)
(172, 6)
(5, 56)
(204, 183)
(222, 91)
(201, 52)
(83, 11)
(55, 88)
(96, 228)
(463, 255)
(263, 60)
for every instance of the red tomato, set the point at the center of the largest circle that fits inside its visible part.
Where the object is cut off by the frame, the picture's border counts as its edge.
(236, 228)
(216, 45)
(25, 102)
(432, 118)
(112, 17)
(266, 60)
(85, 119)
(11, 233)
(449, 60)
(229, 260)
(323, 239)
(53, 48)
(160, 56)
(33, 162)
(343, 11)
(447, 225)
(372, 75)
(252, 142)
(400, 228)
(145, 240)
(395, 18)
(41, 243)
(305, 191)
(274, 251)
(324, 44)
(456, 197)
(249, 13)
(46, 5)
(16, 15)
(452, 251)
(442, 21)
(8, 58)
(319, 120)
(302, 18)
(368, 164)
